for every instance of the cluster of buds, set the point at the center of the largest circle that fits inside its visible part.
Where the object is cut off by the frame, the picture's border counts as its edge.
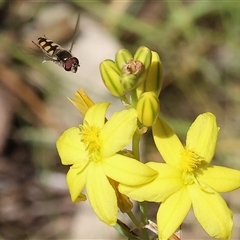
(136, 80)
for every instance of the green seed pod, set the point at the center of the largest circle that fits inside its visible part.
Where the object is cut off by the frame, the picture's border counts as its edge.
(153, 80)
(111, 77)
(122, 57)
(148, 108)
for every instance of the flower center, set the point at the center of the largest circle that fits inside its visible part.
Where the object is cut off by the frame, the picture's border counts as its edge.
(90, 138)
(190, 160)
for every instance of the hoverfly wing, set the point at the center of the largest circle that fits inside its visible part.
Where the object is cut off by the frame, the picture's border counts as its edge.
(28, 54)
(76, 33)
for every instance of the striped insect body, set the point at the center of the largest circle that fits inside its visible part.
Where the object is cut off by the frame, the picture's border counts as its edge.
(54, 52)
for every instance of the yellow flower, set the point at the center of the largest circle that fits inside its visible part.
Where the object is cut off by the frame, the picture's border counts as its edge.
(92, 151)
(187, 179)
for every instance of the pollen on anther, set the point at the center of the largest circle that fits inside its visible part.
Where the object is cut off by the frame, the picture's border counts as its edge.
(90, 138)
(190, 160)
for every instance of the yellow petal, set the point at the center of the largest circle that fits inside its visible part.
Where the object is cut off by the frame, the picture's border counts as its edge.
(166, 183)
(70, 149)
(202, 136)
(211, 211)
(95, 116)
(118, 131)
(76, 182)
(101, 195)
(172, 213)
(82, 102)
(221, 179)
(127, 170)
(167, 142)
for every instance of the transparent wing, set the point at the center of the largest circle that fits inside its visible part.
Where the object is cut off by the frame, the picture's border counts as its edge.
(76, 33)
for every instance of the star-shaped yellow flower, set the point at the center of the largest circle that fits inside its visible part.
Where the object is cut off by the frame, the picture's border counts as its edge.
(92, 150)
(187, 179)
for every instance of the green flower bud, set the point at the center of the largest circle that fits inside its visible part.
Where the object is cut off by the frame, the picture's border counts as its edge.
(148, 108)
(122, 57)
(144, 55)
(110, 75)
(128, 81)
(153, 80)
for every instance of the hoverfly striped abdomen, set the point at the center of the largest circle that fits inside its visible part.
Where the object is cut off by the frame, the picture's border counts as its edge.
(48, 46)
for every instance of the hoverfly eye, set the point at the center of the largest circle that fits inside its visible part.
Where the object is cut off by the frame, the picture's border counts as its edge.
(68, 64)
(71, 64)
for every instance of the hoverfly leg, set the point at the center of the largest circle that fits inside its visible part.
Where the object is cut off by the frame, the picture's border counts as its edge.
(36, 44)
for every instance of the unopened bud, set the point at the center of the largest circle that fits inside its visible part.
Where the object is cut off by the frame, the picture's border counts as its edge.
(153, 80)
(128, 81)
(148, 108)
(122, 57)
(144, 55)
(111, 77)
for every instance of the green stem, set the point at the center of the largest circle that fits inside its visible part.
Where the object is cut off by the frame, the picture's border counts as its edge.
(133, 218)
(134, 98)
(125, 231)
(135, 145)
(143, 206)
(124, 100)
(135, 148)
(143, 210)
(144, 213)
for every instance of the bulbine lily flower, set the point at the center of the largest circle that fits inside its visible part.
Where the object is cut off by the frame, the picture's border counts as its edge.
(188, 179)
(92, 151)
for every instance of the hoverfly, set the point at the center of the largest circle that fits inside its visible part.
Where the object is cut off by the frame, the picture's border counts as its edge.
(54, 52)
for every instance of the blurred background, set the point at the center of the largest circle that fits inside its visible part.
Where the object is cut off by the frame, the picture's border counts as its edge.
(199, 45)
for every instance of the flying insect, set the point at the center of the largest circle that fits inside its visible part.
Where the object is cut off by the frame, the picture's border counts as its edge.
(55, 53)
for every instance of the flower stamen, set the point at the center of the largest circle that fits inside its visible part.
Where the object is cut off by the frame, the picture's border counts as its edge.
(90, 138)
(190, 160)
